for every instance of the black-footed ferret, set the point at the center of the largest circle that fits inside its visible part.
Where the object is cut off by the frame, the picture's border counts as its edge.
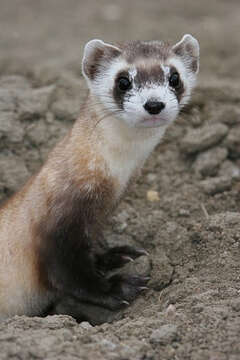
(51, 229)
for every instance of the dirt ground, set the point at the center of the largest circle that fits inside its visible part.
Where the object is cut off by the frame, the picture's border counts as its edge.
(184, 209)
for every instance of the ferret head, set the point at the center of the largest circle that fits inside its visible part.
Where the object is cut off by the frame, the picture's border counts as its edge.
(144, 84)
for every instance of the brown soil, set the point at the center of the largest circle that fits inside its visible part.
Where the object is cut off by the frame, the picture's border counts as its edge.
(184, 209)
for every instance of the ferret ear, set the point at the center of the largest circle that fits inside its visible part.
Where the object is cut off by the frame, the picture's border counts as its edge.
(95, 53)
(188, 49)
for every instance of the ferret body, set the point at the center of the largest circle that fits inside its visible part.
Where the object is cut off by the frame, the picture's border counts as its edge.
(50, 231)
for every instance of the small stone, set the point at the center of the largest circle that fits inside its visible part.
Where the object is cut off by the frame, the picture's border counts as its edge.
(196, 119)
(121, 227)
(229, 169)
(208, 162)
(203, 138)
(197, 308)
(232, 142)
(152, 196)
(230, 116)
(235, 304)
(184, 213)
(151, 177)
(108, 344)
(85, 325)
(162, 271)
(166, 334)
(37, 133)
(216, 185)
(171, 310)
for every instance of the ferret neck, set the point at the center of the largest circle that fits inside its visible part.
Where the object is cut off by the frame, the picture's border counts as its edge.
(123, 149)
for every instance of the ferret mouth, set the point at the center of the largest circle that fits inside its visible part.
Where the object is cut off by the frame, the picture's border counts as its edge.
(153, 121)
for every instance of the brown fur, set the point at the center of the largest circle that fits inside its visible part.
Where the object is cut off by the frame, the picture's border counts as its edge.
(58, 216)
(136, 50)
(150, 73)
(98, 57)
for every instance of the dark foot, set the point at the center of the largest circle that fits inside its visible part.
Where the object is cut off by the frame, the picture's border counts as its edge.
(117, 257)
(127, 287)
(123, 290)
(94, 314)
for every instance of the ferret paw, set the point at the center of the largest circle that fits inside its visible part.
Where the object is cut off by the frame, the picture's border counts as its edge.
(118, 256)
(121, 289)
(125, 289)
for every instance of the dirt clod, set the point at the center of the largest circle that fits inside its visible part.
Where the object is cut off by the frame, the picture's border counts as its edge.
(208, 162)
(164, 335)
(216, 185)
(203, 138)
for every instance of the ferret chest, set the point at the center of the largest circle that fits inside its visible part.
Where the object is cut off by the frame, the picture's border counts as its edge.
(123, 162)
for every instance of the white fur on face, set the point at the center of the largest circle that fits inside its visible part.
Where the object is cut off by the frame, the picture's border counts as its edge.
(133, 112)
(102, 86)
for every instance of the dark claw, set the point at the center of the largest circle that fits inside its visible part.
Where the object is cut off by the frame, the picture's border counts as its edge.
(118, 256)
(127, 287)
(127, 259)
(142, 252)
(142, 288)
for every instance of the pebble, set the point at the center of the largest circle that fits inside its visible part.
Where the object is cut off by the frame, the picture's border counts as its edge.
(216, 185)
(151, 177)
(37, 132)
(236, 305)
(85, 325)
(164, 335)
(171, 310)
(184, 213)
(196, 119)
(203, 138)
(232, 142)
(152, 196)
(229, 169)
(230, 116)
(208, 162)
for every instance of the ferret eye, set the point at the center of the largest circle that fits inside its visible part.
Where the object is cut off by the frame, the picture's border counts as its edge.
(174, 80)
(124, 83)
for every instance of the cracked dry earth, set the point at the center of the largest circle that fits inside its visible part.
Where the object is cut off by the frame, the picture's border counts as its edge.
(184, 208)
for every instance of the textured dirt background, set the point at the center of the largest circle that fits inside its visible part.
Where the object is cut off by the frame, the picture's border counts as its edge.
(184, 208)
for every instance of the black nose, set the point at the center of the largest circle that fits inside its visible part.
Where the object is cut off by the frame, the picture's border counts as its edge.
(154, 107)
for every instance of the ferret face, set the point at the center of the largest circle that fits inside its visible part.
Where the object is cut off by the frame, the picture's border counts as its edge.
(144, 84)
